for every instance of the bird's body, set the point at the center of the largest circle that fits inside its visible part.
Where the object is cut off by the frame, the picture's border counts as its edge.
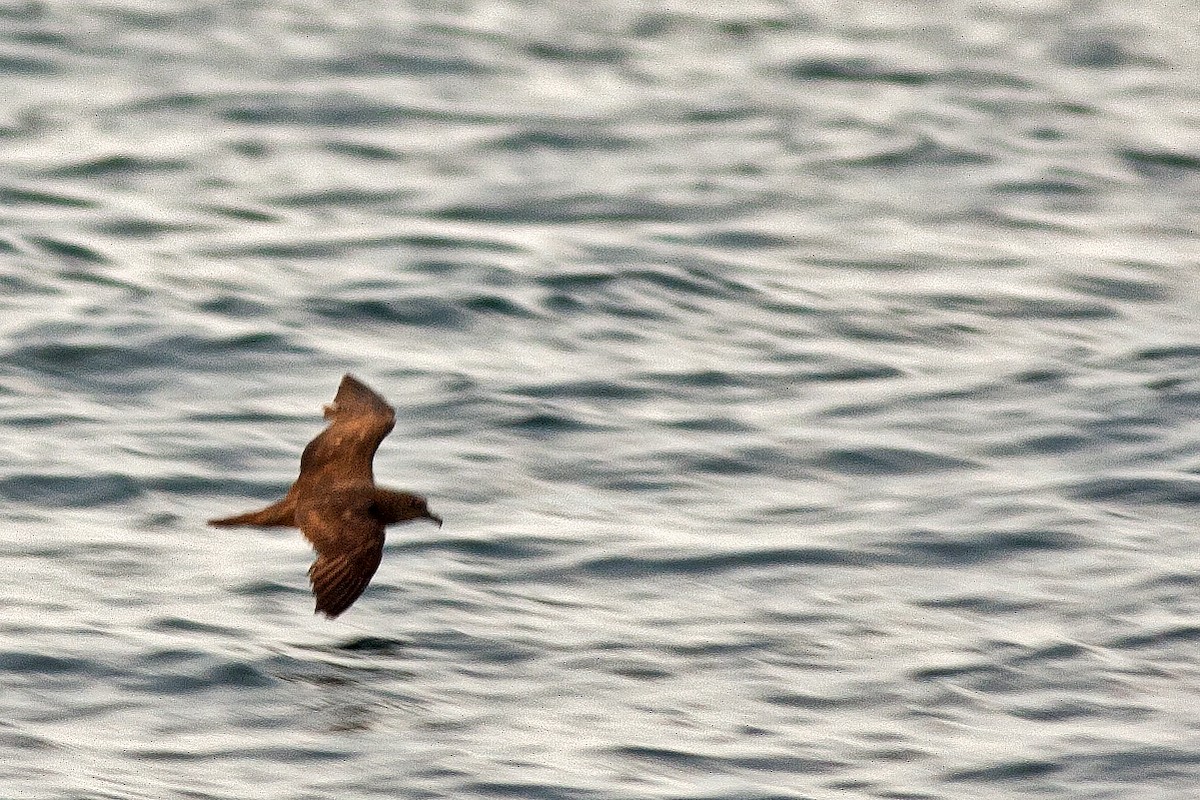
(335, 502)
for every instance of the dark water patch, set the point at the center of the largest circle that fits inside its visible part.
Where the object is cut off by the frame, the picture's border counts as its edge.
(987, 606)
(1186, 353)
(518, 548)
(940, 672)
(338, 110)
(19, 740)
(1056, 651)
(266, 588)
(1047, 187)
(183, 625)
(544, 424)
(19, 64)
(813, 702)
(743, 239)
(70, 491)
(1045, 444)
(675, 758)
(17, 285)
(578, 281)
(709, 425)
(1095, 50)
(326, 199)
(476, 650)
(1177, 634)
(1162, 164)
(263, 755)
(632, 483)
(576, 52)
(216, 352)
(1142, 490)
(584, 389)
(118, 166)
(238, 307)
(1071, 710)
(1017, 307)
(647, 566)
(243, 213)
(125, 365)
(176, 101)
(365, 151)
(574, 141)
(858, 70)
(69, 251)
(17, 196)
(971, 77)
(376, 63)
(928, 548)
(426, 312)
(523, 790)
(1172, 582)
(79, 272)
(1017, 770)
(700, 378)
(875, 331)
(690, 279)
(921, 153)
(684, 759)
(29, 663)
(245, 491)
(1146, 763)
(592, 208)
(375, 645)
(299, 249)
(848, 373)
(1051, 308)
(727, 648)
(40, 421)
(641, 672)
(238, 415)
(1040, 376)
(755, 460)
(888, 461)
(794, 765)
(141, 227)
(473, 242)
(494, 304)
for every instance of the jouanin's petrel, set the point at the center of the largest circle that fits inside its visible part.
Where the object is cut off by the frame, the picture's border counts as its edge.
(335, 502)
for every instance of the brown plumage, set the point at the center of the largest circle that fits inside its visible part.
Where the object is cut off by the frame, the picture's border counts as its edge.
(335, 502)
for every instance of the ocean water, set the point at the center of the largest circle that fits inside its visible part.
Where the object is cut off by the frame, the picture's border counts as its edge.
(811, 392)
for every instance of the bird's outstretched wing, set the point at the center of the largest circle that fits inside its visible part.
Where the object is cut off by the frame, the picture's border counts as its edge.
(349, 545)
(342, 453)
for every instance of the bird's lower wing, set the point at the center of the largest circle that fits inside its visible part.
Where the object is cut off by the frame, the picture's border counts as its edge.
(338, 579)
(349, 545)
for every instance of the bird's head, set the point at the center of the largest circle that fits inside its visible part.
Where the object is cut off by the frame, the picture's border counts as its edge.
(402, 506)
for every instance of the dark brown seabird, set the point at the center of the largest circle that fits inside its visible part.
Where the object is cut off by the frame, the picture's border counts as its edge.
(335, 502)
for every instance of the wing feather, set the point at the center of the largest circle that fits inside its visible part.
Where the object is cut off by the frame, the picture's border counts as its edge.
(349, 545)
(343, 452)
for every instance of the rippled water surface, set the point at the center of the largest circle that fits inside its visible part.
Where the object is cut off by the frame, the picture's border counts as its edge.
(810, 391)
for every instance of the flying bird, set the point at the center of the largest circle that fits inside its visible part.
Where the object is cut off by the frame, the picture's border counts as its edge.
(335, 502)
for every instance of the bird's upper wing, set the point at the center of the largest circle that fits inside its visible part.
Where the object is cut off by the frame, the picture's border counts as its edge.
(349, 545)
(342, 453)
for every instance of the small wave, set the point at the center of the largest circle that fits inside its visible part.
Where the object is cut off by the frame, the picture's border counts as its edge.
(1153, 490)
(70, 491)
(937, 547)
(888, 461)
(642, 566)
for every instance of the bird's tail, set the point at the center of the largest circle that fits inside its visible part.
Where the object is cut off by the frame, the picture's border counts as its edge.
(281, 514)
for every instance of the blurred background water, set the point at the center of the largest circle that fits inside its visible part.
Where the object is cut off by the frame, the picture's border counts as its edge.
(810, 390)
